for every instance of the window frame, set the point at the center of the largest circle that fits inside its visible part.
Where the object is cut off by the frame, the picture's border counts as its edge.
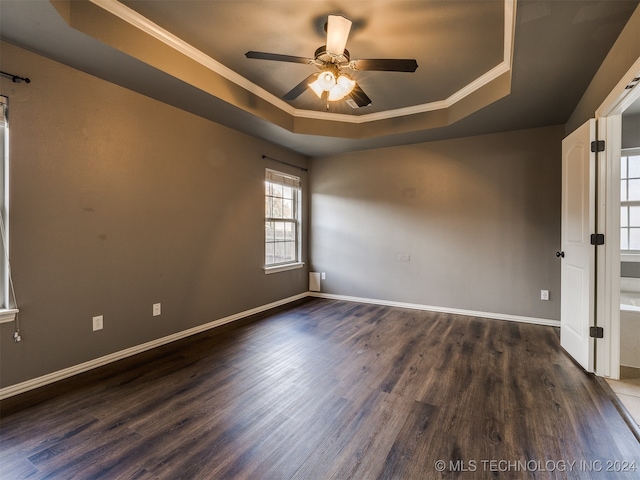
(293, 182)
(8, 311)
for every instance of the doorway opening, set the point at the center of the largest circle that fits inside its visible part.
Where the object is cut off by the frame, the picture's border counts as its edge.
(618, 213)
(627, 388)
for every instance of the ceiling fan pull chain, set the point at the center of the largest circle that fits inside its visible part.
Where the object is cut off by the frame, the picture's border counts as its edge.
(325, 97)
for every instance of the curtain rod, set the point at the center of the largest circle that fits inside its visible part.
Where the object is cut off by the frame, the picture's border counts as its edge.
(15, 78)
(285, 163)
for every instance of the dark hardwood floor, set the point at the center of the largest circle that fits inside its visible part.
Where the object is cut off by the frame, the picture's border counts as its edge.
(327, 389)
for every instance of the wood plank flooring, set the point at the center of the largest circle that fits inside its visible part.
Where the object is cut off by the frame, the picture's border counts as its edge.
(325, 389)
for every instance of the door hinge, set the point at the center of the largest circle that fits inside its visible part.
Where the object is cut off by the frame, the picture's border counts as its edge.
(597, 239)
(596, 332)
(597, 146)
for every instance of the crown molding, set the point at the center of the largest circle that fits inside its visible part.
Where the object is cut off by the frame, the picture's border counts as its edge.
(144, 24)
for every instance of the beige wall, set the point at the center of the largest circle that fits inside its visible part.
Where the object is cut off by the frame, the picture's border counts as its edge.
(118, 202)
(479, 218)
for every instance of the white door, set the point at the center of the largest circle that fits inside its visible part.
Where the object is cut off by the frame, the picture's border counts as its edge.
(578, 223)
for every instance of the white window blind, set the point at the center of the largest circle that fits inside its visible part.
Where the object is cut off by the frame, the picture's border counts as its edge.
(283, 179)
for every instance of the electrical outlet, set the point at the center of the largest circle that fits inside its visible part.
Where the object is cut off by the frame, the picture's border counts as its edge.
(544, 294)
(157, 309)
(98, 323)
(323, 275)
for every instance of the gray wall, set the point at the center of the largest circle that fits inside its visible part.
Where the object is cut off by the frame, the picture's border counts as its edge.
(619, 60)
(631, 131)
(478, 217)
(118, 202)
(630, 269)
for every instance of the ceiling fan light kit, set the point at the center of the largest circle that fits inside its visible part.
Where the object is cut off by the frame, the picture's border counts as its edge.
(337, 88)
(331, 83)
(338, 28)
(344, 85)
(326, 81)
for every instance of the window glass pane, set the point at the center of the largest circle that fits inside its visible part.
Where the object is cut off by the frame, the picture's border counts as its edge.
(287, 209)
(623, 167)
(623, 191)
(634, 216)
(277, 208)
(634, 239)
(624, 241)
(279, 252)
(624, 212)
(287, 192)
(269, 232)
(634, 166)
(634, 190)
(289, 232)
(269, 257)
(289, 249)
(268, 207)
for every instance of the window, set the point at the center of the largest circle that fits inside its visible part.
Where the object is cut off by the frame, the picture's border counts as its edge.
(282, 222)
(630, 201)
(8, 307)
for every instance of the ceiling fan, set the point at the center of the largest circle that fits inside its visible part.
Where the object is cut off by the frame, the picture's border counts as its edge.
(331, 83)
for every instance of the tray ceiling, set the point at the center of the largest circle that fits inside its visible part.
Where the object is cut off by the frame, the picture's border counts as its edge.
(484, 65)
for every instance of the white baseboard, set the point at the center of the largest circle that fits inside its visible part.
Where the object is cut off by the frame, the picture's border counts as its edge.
(429, 308)
(34, 383)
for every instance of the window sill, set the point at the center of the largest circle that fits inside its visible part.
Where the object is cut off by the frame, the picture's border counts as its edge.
(8, 315)
(283, 268)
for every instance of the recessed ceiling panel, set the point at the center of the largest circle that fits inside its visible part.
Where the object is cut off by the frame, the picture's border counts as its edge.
(454, 42)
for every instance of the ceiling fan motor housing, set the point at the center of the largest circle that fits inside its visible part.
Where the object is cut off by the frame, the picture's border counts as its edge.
(322, 56)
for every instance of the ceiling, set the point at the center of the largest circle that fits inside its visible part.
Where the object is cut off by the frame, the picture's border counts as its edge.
(380, 30)
(483, 66)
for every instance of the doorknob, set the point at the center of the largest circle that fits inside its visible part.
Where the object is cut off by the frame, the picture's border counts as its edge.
(560, 254)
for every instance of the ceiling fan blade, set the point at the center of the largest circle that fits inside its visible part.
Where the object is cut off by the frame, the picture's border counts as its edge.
(387, 64)
(296, 91)
(359, 97)
(278, 58)
(338, 28)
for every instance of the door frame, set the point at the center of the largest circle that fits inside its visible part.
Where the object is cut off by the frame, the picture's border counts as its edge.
(609, 129)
